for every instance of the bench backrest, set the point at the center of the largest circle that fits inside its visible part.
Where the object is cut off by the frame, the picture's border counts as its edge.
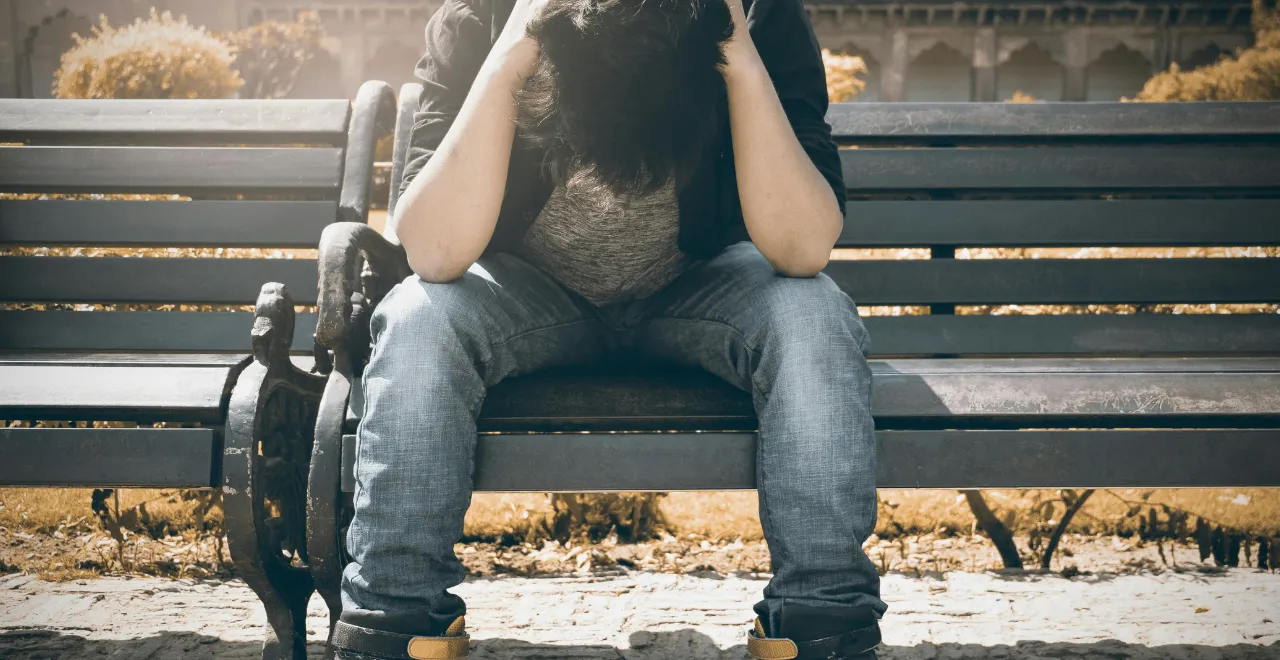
(83, 178)
(944, 177)
(931, 182)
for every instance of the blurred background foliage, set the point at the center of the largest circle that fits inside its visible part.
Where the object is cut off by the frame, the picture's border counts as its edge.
(1252, 74)
(157, 58)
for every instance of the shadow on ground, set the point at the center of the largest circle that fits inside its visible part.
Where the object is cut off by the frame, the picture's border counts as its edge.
(667, 645)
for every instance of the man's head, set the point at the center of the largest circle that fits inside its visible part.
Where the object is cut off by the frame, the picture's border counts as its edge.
(625, 88)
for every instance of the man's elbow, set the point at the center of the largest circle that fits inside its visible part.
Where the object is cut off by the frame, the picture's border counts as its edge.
(808, 254)
(430, 264)
(800, 258)
(804, 263)
(433, 270)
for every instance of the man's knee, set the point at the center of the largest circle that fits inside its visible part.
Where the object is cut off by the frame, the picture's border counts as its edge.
(421, 312)
(425, 337)
(809, 315)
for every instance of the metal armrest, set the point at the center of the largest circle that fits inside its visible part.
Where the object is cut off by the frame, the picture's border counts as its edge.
(373, 115)
(345, 287)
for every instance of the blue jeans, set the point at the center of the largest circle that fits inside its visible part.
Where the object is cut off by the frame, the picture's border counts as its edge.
(797, 345)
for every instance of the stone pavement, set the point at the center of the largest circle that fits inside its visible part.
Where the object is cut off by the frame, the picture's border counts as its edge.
(650, 616)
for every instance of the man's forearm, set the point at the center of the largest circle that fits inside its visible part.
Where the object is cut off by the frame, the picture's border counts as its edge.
(790, 210)
(448, 213)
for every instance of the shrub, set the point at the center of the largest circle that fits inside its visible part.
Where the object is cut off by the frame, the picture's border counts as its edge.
(270, 55)
(161, 57)
(1252, 75)
(843, 83)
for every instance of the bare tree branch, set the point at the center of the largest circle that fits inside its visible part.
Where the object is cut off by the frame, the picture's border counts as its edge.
(995, 530)
(1072, 508)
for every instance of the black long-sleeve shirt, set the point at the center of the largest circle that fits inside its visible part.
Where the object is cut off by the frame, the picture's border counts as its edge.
(461, 34)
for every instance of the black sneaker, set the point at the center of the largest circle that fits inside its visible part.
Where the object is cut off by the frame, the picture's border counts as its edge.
(355, 642)
(812, 633)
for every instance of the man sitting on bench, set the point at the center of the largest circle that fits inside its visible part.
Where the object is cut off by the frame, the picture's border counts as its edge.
(618, 179)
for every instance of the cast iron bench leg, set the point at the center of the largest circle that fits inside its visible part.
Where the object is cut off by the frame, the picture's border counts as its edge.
(327, 515)
(266, 457)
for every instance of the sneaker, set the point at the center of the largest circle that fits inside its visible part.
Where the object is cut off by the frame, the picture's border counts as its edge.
(355, 642)
(811, 633)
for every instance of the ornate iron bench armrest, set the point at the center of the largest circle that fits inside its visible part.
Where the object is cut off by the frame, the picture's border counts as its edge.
(357, 268)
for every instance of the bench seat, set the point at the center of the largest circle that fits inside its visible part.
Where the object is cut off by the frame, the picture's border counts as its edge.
(960, 423)
(159, 387)
(186, 393)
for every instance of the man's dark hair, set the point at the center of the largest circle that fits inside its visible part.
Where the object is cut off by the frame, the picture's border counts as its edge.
(626, 89)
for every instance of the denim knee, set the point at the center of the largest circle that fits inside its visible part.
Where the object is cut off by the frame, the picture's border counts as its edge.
(809, 317)
(424, 310)
(430, 336)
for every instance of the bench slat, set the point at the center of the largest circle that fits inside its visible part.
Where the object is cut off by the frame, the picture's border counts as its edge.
(138, 331)
(1071, 223)
(1039, 120)
(949, 393)
(1081, 335)
(93, 359)
(138, 280)
(903, 335)
(905, 459)
(278, 120)
(177, 224)
(107, 392)
(1155, 334)
(1098, 168)
(1062, 281)
(139, 458)
(965, 282)
(168, 169)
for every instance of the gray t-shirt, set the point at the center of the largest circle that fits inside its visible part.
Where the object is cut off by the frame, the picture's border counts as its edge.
(608, 248)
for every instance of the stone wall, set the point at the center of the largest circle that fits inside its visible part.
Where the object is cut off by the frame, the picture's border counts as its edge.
(926, 52)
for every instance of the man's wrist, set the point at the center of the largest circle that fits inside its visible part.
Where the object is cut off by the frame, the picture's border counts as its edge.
(741, 59)
(742, 62)
(517, 57)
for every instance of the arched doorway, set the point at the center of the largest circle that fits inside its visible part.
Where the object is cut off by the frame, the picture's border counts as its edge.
(940, 73)
(393, 62)
(1117, 73)
(1209, 54)
(43, 48)
(1030, 70)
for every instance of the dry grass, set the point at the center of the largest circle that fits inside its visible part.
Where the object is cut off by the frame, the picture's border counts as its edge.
(733, 515)
(53, 532)
(45, 510)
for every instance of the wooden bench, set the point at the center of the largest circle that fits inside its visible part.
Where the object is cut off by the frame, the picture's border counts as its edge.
(85, 338)
(962, 400)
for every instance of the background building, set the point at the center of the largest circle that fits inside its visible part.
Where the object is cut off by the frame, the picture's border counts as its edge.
(916, 50)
